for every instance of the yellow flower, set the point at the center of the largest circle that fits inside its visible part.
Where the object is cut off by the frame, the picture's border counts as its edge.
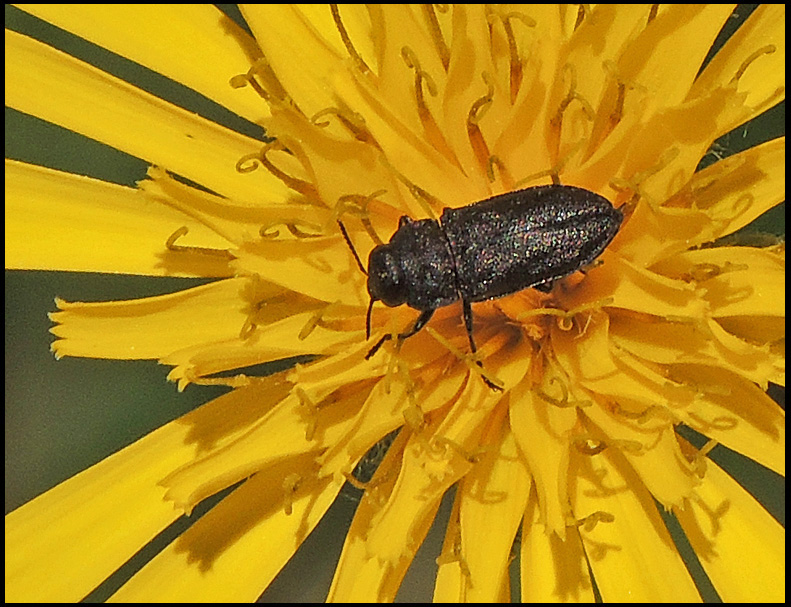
(378, 112)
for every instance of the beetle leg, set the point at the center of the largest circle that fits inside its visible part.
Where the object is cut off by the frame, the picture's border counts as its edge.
(467, 310)
(421, 321)
(377, 345)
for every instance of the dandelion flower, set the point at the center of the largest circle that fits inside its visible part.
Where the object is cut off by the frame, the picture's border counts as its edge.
(373, 113)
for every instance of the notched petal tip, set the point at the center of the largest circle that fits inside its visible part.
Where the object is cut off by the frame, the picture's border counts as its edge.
(54, 347)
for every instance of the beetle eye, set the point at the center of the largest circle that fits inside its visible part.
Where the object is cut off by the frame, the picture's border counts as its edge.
(385, 278)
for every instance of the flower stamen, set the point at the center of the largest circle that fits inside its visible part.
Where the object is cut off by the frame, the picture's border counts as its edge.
(701, 272)
(699, 461)
(376, 481)
(354, 482)
(587, 445)
(582, 11)
(515, 62)
(421, 76)
(317, 320)
(177, 248)
(471, 456)
(435, 32)
(250, 325)
(652, 13)
(398, 368)
(293, 226)
(564, 397)
(477, 111)
(352, 121)
(272, 91)
(564, 402)
(634, 184)
(556, 122)
(572, 95)
(432, 132)
(566, 318)
(305, 188)
(311, 413)
(472, 361)
(235, 381)
(290, 486)
(426, 201)
(481, 105)
(616, 113)
(505, 175)
(656, 412)
(347, 42)
(554, 172)
(764, 50)
(357, 205)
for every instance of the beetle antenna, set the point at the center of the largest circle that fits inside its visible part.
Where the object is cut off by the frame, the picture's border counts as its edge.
(351, 246)
(368, 320)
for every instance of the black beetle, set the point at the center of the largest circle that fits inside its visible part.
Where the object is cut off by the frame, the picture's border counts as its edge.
(523, 239)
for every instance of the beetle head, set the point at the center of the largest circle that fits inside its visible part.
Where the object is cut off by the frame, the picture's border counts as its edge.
(386, 277)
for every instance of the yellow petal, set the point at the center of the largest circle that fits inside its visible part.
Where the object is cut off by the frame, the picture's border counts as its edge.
(129, 119)
(630, 552)
(552, 570)
(82, 224)
(196, 45)
(491, 501)
(741, 547)
(152, 327)
(220, 558)
(47, 557)
(748, 49)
